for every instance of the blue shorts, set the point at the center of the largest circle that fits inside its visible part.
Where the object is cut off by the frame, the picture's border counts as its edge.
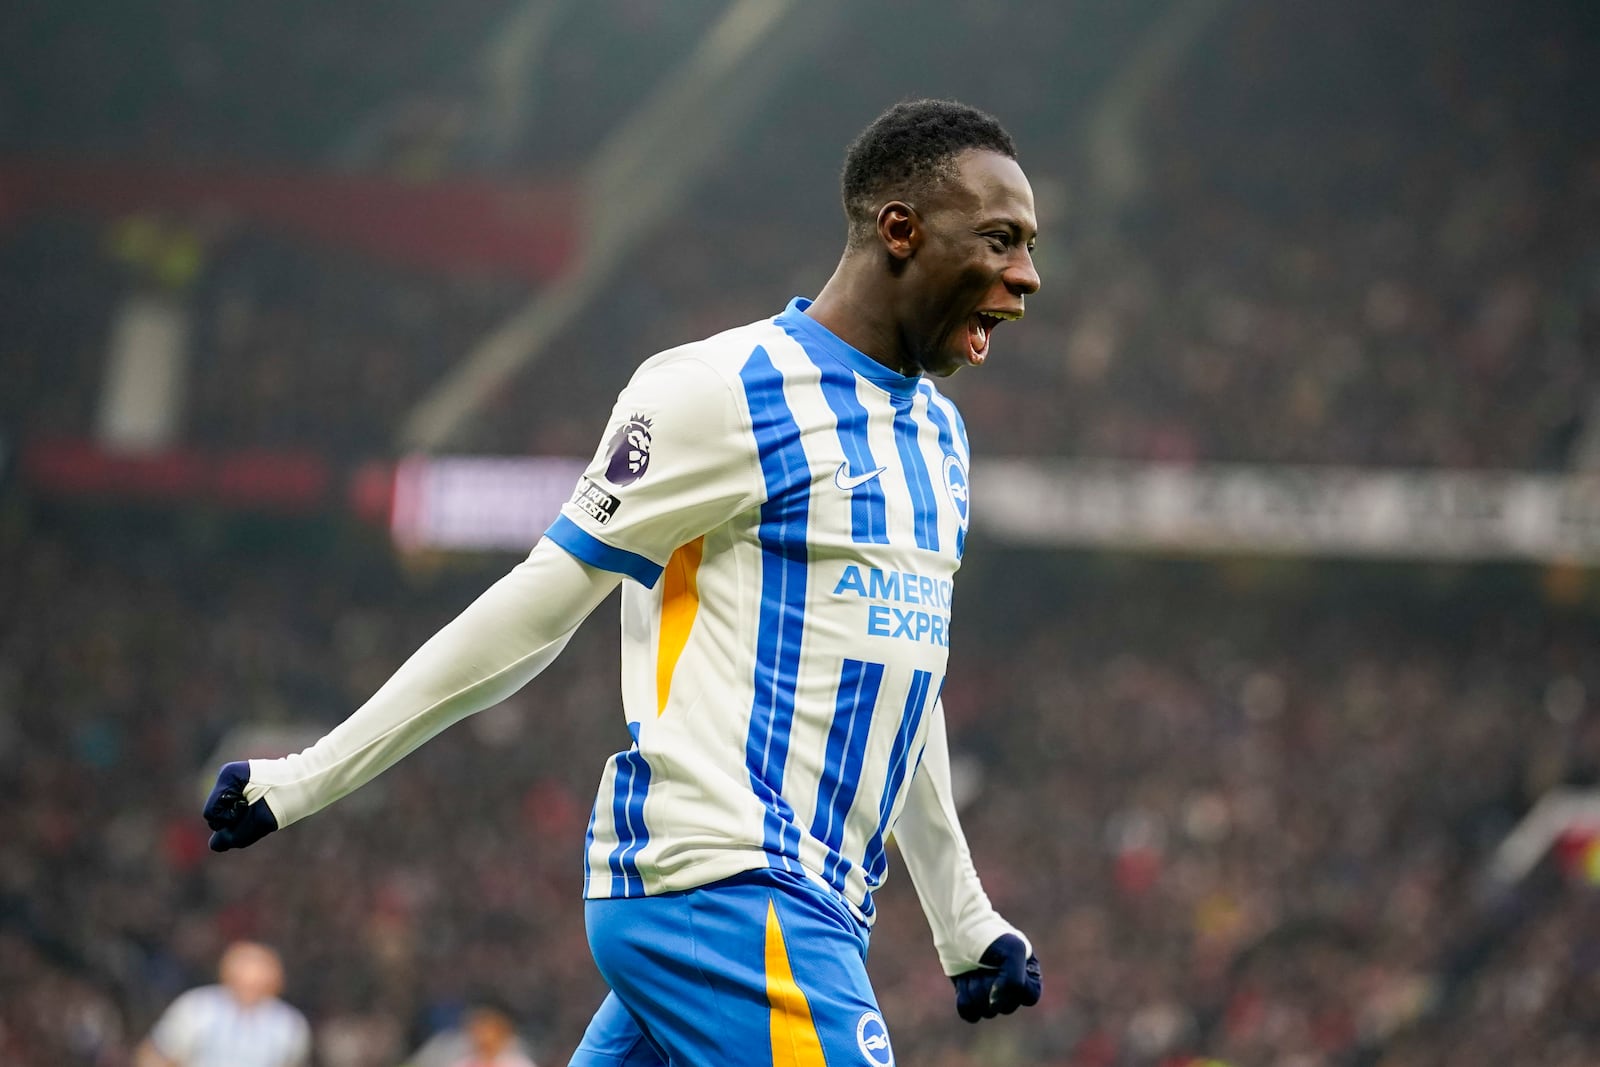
(764, 969)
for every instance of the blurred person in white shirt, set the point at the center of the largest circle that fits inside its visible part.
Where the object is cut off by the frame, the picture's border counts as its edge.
(485, 1037)
(239, 1022)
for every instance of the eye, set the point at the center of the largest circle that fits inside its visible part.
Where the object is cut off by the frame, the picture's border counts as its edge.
(999, 240)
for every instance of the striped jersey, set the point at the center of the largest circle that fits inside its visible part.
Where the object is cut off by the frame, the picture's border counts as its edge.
(793, 514)
(209, 1027)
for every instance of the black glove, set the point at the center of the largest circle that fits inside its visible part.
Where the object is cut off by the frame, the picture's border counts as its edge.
(1008, 980)
(235, 822)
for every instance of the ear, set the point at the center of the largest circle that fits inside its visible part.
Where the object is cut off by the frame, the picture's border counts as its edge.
(900, 229)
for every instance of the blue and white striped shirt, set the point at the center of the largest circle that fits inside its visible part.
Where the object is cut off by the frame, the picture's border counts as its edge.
(793, 514)
(209, 1027)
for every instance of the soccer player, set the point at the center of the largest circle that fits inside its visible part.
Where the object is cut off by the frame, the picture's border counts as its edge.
(239, 1022)
(785, 506)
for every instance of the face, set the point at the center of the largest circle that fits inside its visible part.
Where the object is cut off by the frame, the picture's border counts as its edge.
(971, 266)
(489, 1031)
(252, 972)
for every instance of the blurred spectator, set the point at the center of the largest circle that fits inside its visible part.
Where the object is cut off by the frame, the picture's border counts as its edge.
(486, 1037)
(1367, 235)
(238, 1022)
(1352, 247)
(1270, 793)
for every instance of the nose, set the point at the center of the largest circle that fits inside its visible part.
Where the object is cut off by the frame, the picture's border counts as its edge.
(1020, 277)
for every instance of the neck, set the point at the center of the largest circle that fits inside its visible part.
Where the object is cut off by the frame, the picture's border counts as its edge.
(856, 308)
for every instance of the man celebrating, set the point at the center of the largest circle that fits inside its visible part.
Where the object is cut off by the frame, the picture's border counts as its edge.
(790, 502)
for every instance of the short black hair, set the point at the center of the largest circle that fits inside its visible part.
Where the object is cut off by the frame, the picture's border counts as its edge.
(907, 150)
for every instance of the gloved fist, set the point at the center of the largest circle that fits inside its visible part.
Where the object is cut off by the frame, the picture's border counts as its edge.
(1008, 980)
(235, 822)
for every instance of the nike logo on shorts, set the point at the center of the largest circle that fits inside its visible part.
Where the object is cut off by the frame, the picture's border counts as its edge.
(847, 481)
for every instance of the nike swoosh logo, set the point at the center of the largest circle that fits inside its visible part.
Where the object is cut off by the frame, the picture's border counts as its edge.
(847, 481)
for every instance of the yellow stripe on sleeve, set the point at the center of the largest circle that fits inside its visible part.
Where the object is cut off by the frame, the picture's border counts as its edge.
(794, 1036)
(680, 601)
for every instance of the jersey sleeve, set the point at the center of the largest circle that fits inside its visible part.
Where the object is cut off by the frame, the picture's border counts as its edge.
(493, 648)
(677, 459)
(934, 850)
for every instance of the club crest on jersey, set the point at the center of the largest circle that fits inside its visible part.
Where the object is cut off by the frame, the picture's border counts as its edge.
(872, 1038)
(630, 451)
(955, 484)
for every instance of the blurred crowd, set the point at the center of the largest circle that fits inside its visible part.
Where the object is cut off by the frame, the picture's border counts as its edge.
(175, 80)
(1267, 803)
(125, 665)
(1357, 235)
(1365, 235)
(289, 347)
(1243, 809)
(1367, 240)
(1243, 814)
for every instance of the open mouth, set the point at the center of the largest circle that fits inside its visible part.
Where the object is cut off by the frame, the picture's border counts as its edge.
(981, 327)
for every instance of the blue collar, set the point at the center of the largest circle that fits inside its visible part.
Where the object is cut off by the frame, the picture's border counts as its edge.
(818, 339)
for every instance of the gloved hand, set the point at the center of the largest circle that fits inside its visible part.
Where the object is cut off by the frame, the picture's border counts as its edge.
(236, 823)
(1008, 980)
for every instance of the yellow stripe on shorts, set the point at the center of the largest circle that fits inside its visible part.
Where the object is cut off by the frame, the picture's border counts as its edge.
(794, 1036)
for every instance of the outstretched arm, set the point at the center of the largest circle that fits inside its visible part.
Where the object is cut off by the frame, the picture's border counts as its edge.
(990, 960)
(674, 464)
(493, 648)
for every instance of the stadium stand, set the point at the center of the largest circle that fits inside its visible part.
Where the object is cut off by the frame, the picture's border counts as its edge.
(1243, 806)
(1383, 263)
(1233, 831)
